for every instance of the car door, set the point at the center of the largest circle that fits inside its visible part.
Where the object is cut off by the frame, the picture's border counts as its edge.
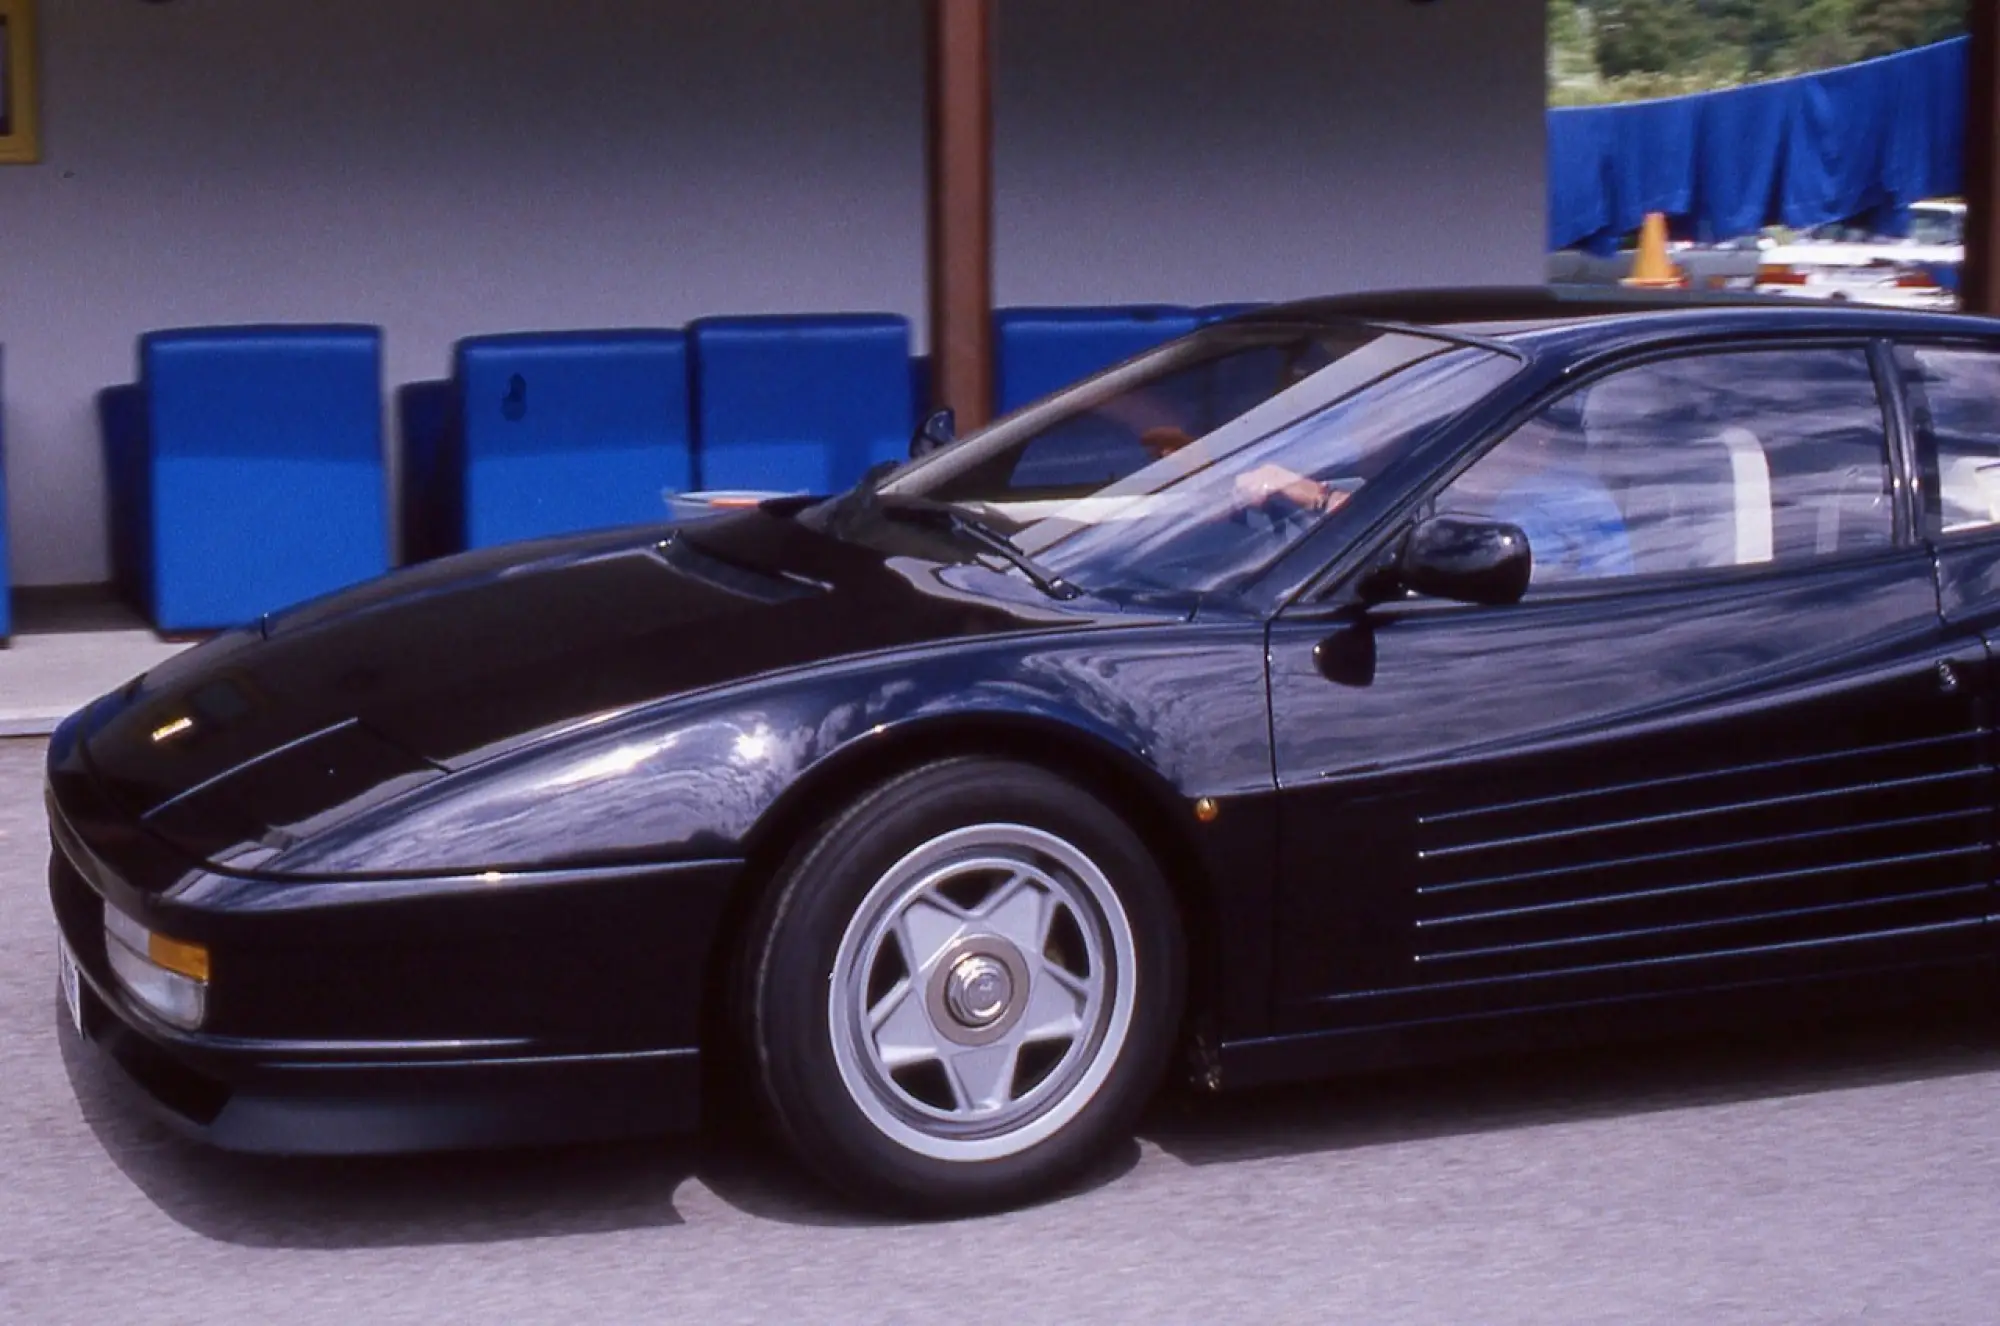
(1725, 736)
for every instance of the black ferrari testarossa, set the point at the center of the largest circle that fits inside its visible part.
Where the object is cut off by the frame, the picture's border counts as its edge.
(1341, 682)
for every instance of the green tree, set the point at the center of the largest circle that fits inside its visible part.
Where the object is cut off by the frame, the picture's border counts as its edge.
(1565, 25)
(1884, 26)
(1648, 36)
(1617, 50)
(1758, 30)
(1572, 59)
(1822, 36)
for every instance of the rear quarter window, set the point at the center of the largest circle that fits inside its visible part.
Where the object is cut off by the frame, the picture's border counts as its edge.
(1954, 399)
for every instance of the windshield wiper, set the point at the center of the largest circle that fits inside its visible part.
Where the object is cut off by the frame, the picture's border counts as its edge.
(942, 515)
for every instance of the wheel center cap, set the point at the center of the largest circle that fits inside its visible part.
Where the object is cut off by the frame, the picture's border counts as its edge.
(978, 990)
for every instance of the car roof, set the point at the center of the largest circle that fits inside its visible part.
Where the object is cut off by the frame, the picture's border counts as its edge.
(1577, 318)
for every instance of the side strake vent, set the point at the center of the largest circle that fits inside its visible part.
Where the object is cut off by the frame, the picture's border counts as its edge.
(1849, 842)
(745, 582)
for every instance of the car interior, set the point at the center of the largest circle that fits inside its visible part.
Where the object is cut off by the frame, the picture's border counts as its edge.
(1696, 484)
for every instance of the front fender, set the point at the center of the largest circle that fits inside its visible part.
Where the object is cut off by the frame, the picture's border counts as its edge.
(692, 778)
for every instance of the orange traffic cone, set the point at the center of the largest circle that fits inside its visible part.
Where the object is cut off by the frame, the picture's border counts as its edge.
(1650, 267)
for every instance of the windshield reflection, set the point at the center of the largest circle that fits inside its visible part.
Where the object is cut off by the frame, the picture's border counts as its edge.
(1192, 467)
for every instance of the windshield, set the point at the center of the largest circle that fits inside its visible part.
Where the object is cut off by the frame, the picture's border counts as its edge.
(1190, 468)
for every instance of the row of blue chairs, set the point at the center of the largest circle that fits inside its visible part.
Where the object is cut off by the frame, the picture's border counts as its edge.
(544, 433)
(245, 465)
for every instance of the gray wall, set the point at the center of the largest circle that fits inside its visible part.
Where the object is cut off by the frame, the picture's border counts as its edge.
(1214, 150)
(444, 168)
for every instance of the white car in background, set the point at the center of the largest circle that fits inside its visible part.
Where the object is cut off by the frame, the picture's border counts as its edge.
(1840, 260)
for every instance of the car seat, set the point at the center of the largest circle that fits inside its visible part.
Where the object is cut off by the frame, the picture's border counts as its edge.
(1696, 494)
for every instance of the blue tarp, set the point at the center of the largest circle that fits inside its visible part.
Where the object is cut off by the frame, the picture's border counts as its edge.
(1862, 141)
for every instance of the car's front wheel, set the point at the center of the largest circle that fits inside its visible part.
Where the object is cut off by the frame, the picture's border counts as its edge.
(966, 985)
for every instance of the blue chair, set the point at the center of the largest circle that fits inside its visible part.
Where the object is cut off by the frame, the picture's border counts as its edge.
(800, 403)
(558, 432)
(1041, 350)
(6, 585)
(246, 471)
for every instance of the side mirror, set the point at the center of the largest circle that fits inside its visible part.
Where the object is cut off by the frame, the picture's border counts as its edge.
(939, 430)
(1468, 559)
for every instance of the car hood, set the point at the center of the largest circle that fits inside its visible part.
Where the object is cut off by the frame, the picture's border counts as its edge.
(319, 712)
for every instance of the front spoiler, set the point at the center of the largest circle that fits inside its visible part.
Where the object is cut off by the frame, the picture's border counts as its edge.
(305, 1107)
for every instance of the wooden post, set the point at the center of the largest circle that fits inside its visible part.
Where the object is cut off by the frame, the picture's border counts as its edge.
(1979, 278)
(961, 208)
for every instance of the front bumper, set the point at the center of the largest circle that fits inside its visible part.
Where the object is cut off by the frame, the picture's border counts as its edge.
(482, 1056)
(273, 1100)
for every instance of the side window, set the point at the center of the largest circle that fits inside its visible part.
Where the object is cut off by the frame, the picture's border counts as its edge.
(1712, 460)
(1955, 406)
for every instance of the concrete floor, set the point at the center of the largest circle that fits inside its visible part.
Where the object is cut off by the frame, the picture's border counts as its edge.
(1851, 1176)
(68, 648)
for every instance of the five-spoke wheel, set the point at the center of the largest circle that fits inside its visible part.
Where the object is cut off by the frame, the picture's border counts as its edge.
(963, 986)
(979, 984)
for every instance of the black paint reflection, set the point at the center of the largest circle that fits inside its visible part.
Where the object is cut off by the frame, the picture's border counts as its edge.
(693, 779)
(1553, 704)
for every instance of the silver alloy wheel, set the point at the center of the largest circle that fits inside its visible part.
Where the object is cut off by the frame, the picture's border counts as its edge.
(982, 992)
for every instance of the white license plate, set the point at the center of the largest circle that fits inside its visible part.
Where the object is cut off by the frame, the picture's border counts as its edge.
(72, 984)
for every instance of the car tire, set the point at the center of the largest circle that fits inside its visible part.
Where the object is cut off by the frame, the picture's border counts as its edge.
(963, 987)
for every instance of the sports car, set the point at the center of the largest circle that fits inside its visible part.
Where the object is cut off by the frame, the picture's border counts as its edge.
(1348, 683)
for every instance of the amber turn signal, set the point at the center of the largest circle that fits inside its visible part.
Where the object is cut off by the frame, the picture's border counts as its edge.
(176, 955)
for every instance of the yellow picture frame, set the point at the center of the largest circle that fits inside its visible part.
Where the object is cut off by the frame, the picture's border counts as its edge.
(20, 114)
